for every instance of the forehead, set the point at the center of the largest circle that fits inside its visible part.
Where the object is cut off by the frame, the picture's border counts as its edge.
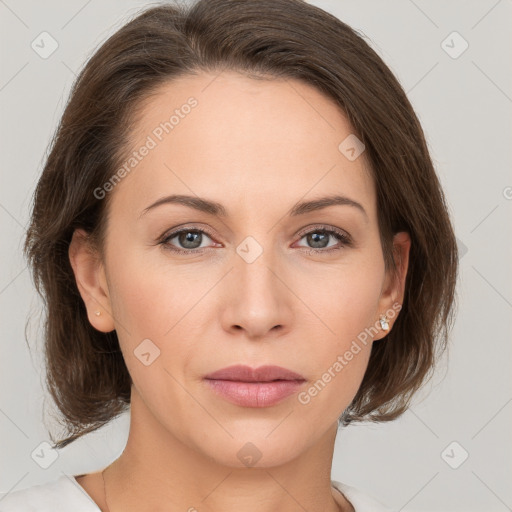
(231, 137)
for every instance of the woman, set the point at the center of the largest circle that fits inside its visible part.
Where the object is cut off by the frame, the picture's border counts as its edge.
(241, 238)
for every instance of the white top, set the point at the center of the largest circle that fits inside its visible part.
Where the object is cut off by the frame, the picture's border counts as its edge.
(66, 493)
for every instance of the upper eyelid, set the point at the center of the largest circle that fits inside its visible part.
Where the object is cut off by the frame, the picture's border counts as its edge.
(173, 232)
(322, 227)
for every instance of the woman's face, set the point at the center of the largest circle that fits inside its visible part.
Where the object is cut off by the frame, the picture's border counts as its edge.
(263, 282)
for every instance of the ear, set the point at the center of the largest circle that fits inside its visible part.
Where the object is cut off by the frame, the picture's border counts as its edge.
(91, 281)
(393, 290)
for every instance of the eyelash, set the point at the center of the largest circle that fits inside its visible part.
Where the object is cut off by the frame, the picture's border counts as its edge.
(343, 238)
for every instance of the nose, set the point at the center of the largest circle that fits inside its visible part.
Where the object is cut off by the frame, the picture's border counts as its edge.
(257, 299)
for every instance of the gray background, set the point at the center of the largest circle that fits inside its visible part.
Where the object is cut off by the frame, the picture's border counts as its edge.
(464, 105)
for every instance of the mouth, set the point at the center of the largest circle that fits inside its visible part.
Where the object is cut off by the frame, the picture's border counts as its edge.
(260, 387)
(242, 373)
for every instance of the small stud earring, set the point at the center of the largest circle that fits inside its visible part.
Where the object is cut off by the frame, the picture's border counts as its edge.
(384, 323)
(97, 313)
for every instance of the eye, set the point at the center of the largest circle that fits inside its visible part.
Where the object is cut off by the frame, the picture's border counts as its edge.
(188, 240)
(191, 240)
(319, 239)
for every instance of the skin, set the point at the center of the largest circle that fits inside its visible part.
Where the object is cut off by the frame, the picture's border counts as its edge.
(257, 147)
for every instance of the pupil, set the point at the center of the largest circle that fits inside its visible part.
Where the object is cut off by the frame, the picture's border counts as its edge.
(318, 238)
(191, 237)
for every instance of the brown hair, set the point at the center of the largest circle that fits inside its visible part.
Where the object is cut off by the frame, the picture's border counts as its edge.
(86, 373)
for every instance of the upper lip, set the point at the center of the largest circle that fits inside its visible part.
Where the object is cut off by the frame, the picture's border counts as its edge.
(242, 373)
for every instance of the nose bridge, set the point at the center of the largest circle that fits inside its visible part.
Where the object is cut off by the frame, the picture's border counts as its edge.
(259, 299)
(253, 266)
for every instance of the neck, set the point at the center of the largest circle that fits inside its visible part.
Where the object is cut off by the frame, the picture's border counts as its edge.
(158, 471)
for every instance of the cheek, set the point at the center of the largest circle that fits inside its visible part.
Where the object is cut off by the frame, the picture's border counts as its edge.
(150, 299)
(152, 308)
(345, 300)
(156, 301)
(343, 297)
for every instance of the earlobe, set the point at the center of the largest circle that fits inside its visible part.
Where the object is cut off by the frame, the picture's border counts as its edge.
(90, 280)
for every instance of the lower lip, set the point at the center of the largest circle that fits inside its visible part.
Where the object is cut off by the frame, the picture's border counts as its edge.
(255, 394)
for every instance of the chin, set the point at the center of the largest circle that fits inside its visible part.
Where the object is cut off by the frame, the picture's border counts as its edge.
(253, 449)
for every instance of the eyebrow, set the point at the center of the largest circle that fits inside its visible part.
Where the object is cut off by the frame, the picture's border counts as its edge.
(217, 209)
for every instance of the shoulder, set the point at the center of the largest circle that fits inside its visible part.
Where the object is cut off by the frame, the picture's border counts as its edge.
(62, 494)
(361, 501)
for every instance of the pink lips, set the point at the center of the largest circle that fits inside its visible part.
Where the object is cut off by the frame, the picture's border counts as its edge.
(259, 387)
